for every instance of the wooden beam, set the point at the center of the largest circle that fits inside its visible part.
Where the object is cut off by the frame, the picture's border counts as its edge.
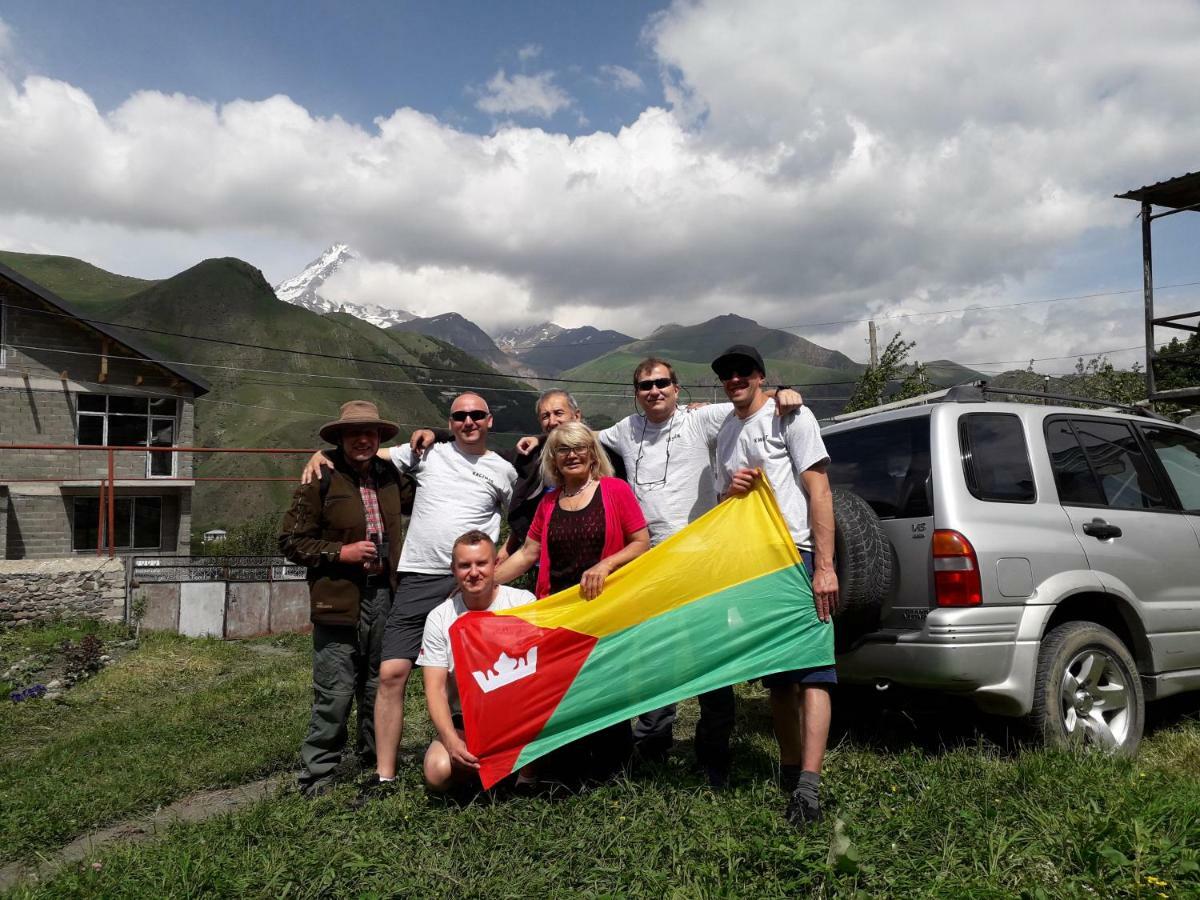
(105, 346)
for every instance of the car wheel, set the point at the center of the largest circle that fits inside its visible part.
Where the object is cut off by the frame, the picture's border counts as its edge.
(863, 558)
(1088, 693)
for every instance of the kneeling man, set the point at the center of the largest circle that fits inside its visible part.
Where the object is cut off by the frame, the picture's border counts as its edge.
(448, 762)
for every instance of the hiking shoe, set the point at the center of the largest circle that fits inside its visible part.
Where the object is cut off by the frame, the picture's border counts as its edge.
(373, 789)
(653, 751)
(717, 776)
(314, 789)
(802, 810)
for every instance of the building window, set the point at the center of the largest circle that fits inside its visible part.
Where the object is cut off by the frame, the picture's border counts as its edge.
(114, 420)
(137, 524)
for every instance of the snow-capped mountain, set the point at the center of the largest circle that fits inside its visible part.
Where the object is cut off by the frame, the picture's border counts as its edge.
(304, 290)
(517, 339)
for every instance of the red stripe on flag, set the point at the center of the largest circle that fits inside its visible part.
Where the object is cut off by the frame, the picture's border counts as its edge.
(511, 677)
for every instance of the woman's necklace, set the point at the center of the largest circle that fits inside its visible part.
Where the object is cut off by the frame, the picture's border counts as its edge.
(579, 490)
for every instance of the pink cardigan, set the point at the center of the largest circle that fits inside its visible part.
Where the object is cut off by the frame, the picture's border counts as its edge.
(622, 517)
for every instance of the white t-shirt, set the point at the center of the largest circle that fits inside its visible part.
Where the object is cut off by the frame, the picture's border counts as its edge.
(669, 466)
(456, 492)
(435, 643)
(783, 447)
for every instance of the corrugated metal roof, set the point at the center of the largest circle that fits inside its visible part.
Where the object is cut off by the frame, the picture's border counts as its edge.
(1175, 193)
(47, 295)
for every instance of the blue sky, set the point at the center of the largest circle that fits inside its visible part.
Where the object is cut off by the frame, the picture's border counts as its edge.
(355, 60)
(625, 164)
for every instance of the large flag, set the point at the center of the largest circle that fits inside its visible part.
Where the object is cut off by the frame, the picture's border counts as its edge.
(724, 600)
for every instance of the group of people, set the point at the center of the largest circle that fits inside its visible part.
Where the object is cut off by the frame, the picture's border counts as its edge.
(383, 601)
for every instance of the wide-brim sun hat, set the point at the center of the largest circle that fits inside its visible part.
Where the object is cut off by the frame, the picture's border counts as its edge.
(358, 414)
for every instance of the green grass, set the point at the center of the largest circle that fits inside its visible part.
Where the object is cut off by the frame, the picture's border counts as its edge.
(73, 279)
(934, 799)
(172, 717)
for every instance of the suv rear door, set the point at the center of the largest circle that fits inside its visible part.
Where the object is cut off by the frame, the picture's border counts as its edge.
(1128, 520)
(888, 464)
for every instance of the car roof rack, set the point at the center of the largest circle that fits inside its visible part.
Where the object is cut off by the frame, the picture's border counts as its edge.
(980, 391)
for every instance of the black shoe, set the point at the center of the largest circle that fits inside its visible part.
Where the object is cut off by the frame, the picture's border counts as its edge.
(313, 789)
(654, 750)
(802, 811)
(717, 776)
(372, 789)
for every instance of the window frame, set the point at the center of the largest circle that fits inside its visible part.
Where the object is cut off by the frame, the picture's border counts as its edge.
(967, 455)
(1166, 491)
(132, 501)
(1157, 465)
(150, 418)
(3, 331)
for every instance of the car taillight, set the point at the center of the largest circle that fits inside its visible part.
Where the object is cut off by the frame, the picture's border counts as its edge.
(955, 570)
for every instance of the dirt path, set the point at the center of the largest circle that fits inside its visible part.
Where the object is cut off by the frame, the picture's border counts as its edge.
(195, 808)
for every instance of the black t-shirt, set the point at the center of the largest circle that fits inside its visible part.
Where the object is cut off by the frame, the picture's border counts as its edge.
(575, 542)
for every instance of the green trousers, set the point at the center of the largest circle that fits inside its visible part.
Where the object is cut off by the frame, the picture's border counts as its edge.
(345, 668)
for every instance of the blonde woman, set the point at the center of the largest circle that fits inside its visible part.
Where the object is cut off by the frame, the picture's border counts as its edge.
(586, 527)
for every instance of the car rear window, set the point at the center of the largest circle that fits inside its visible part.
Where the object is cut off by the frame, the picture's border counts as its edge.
(887, 464)
(996, 458)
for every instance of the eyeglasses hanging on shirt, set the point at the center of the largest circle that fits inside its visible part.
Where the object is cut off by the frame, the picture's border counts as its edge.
(637, 463)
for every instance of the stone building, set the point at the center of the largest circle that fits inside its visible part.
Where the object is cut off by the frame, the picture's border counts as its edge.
(66, 381)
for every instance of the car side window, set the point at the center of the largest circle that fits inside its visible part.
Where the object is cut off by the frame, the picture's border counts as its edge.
(1179, 453)
(1121, 475)
(1072, 475)
(995, 458)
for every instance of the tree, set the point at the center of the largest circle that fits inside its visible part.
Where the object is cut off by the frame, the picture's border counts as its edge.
(872, 385)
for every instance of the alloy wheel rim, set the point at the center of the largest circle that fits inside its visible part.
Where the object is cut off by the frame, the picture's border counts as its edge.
(1095, 699)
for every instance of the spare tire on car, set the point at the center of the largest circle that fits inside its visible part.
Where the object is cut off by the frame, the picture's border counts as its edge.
(864, 561)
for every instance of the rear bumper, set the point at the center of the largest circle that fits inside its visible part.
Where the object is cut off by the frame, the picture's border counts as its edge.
(978, 656)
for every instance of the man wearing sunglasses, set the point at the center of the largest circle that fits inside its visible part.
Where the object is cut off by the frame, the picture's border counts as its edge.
(667, 453)
(461, 486)
(789, 452)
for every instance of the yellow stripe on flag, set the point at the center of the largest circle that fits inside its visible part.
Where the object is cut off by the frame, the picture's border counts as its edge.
(741, 539)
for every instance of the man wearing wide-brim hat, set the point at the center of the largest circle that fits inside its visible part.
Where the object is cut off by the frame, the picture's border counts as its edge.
(346, 528)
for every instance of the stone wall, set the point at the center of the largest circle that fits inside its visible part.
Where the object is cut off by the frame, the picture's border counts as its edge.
(40, 590)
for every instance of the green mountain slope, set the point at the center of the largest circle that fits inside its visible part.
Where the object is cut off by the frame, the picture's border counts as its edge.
(267, 398)
(73, 279)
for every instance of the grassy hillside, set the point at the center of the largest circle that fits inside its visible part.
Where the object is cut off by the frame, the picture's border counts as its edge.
(73, 279)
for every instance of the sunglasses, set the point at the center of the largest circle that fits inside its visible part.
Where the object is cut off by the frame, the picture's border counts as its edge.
(741, 370)
(475, 415)
(567, 451)
(648, 383)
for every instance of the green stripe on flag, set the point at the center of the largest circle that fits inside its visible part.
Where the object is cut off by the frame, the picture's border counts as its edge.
(756, 628)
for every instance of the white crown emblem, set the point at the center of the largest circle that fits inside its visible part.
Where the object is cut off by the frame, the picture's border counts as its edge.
(506, 670)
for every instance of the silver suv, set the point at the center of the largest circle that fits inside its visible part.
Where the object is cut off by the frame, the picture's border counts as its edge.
(1045, 559)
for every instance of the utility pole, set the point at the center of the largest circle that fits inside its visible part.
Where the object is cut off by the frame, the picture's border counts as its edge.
(874, 344)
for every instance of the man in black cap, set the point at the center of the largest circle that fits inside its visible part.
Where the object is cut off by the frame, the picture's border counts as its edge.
(345, 527)
(789, 453)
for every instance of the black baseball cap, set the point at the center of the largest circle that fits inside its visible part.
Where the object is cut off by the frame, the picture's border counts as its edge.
(739, 353)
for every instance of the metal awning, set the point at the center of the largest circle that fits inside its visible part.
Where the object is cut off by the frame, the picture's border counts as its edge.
(1174, 193)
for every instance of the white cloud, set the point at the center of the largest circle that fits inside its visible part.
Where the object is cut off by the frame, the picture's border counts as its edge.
(533, 94)
(529, 52)
(812, 165)
(622, 78)
(487, 298)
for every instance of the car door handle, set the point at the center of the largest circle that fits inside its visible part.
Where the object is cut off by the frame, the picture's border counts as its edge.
(1101, 530)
